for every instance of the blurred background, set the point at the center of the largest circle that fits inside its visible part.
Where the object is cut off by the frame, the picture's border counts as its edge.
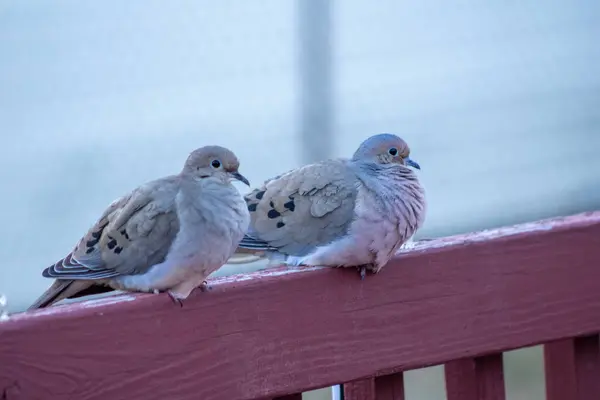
(499, 100)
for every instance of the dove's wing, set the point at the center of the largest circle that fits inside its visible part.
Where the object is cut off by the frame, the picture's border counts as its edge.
(134, 233)
(302, 209)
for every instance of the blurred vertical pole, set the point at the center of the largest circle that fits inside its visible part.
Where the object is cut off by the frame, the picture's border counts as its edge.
(316, 91)
(315, 86)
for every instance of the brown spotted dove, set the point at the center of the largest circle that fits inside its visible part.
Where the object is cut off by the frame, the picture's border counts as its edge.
(166, 235)
(340, 212)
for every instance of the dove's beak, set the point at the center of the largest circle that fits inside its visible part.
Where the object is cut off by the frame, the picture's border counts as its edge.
(412, 163)
(240, 177)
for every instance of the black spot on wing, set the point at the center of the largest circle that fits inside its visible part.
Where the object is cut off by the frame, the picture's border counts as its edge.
(259, 195)
(252, 207)
(118, 250)
(273, 214)
(112, 243)
(290, 205)
(280, 224)
(124, 233)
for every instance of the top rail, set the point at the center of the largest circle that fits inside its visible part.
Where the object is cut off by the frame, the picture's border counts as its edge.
(287, 330)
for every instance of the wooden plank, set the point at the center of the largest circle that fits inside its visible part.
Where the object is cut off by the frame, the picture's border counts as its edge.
(480, 378)
(390, 387)
(573, 369)
(288, 330)
(559, 365)
(363, 389)
(461, 379)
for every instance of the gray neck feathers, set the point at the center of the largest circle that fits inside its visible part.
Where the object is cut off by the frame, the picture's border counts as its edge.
(396, 188)
(208, 200)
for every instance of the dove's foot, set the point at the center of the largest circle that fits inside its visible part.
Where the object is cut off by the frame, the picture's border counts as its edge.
(362, 270)
(205, 287)
(292, 261)
(175, 298)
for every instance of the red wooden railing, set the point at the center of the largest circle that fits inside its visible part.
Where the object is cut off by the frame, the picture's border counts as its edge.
(459, 301)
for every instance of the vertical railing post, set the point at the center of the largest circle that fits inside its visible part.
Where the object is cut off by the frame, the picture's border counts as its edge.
(573, 368)
(362, 389)
(315, 79)
(479, 378)
(390, 387)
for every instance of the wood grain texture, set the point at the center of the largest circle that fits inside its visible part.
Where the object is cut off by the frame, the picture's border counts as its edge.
(573, 369)
(390, 387)
(480, 378)
(284, 331)
(363, 389)
(559, 366)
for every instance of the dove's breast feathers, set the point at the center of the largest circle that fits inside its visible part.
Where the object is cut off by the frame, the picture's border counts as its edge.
(219, 217)
(390, 208)
(212, 220)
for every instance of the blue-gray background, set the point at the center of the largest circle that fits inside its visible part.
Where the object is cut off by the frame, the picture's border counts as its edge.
(500, 101)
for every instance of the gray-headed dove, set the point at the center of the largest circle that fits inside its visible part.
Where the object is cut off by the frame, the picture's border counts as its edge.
(166, 235)
(340, 212)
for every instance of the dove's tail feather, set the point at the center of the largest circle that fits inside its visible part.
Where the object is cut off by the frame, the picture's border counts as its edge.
(246, 256)
(62, 289)
(251, 243)
(242, 257)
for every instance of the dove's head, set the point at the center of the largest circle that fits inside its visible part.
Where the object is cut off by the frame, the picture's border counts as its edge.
(385, 148)
(213, 162)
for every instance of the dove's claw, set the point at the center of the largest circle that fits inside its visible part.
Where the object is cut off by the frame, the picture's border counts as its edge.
(176, 300)
(204, 287)
(292, 261)
(362, 270)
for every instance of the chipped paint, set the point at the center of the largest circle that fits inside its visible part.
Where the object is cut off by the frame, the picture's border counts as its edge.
(74, 306)
(60, 309)
(498, 233)
(107, 300)
(266, 273)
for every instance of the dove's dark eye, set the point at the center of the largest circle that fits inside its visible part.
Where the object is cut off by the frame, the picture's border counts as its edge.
(393, 151)
(215, 163)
